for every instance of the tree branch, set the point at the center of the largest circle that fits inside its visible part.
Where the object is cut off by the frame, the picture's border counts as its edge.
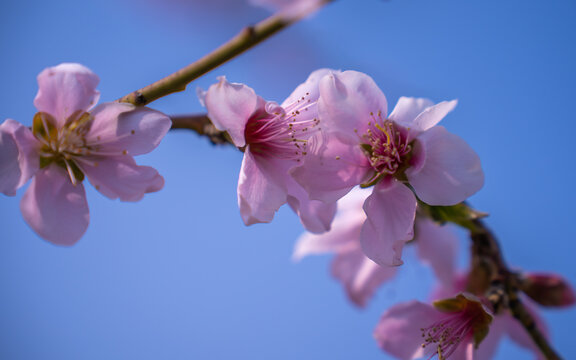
(246, 39)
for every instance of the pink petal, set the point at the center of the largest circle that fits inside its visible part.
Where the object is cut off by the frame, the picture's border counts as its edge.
(261, 188)
(343, 237)
(18, 156)
(229, 106)
(360, 276)
(518, 333)
(120, 127)
(399, 330)
(333, 170)
(407, 109)
(66, 89)
(315, 215)
(120, 177)
(437, 246)
(54, 208)
(432, 115)
(489, 345)
(348, 101)
(449, 171)
(308, 89)
(390, 212)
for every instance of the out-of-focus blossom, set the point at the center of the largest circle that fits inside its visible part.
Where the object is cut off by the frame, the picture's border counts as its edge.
(70, 141)
(548, 289)
(452, 328)
(401, 154)
(291, 9)
(275, 139)
(404, 330)
(360, 276)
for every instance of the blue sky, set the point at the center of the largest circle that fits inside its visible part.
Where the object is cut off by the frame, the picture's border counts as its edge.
(178, 275)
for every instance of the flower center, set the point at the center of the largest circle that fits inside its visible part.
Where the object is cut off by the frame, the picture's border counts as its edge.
(282, 132)
(446, 335)
(386, 146)
(63, 146)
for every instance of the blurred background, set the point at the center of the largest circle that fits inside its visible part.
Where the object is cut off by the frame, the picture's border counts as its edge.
(178, 275)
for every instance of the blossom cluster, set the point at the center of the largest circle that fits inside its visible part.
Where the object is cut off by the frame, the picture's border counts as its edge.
(360, 179)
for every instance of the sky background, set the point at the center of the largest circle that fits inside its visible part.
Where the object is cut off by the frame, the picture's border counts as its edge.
(178, 275)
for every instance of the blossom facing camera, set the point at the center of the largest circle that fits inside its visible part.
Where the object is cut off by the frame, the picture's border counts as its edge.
(403, 156)
(72, 140)
(275, 138)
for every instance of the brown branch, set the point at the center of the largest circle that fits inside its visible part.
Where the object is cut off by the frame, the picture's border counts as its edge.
(246, 39)
(490, 274)
(202, 125)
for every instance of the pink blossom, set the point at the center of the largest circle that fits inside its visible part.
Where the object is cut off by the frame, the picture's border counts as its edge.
(360, 276)
(291, 9)
(452, 328)
(402, 155)
(275, 139)
(71, 140)
(404, 330)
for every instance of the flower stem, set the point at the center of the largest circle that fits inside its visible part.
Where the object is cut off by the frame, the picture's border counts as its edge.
(489, 271)
(201, 124)
(246, 39)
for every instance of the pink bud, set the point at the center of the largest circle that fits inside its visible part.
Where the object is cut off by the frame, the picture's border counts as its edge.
(548, 289)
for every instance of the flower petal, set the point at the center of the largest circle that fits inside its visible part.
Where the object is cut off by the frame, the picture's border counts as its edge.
(390, 211)
(332, 171)
(407, 109)
(399, 330)
(432, 115)
(348, 101)
(437, 246)
(229, 106)
(66, 89)
(518, 333)
(343, 237)
(54, 208)
(315, 215)
(360, 276)
(449, 170)
(261, 188)
(120, 177)
(309, 90)
(18, 159)
(121, 127)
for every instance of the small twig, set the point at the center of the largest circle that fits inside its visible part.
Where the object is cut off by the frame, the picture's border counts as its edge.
(488, 268)
(246, 39)
(202, 125)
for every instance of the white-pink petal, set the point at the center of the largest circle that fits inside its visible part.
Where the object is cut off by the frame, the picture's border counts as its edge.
(308, 89)
(17, 156)
(66, 89)
(432, 115)
(348, 101)
(230, 106)
(120, 177)
(333, 170)
(360, 276)
(120, 128)
(54, 208)
(407, 109)
(315, 215)
(449, 171)
(437, 246)
(261, 188)
(390, 212)
(399, 330)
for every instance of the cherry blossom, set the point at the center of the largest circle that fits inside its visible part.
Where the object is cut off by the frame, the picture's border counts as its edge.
(71, 140)
(275, 139)
(360, 276)
(402, 155)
